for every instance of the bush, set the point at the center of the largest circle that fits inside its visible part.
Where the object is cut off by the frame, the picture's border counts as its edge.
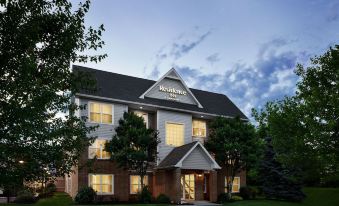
(236, 198)
(85, 195)
(163, 199)
(145, 196)
(25, 196)
(50, 188)
(248, 193)
(222, 198)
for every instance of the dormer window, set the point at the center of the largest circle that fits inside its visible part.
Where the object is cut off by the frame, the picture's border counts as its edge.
(199, 128)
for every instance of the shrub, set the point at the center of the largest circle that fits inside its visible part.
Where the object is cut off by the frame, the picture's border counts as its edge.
(222, 198)
(145, 196)
(163, 199)
(50, 188)
(248, 193)
(25, 196)
(236, 198)
(85, 195)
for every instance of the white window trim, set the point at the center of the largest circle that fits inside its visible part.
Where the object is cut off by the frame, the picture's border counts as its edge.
(237, 177)
(130, 183)
(101, 193)
(205, 128)
(89, 112)
(183, 135)
(99, 158)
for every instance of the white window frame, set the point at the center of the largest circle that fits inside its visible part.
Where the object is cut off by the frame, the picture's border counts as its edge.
(205, 127)
(101, 193)
(237, 177)
(139, 183)
(183, 135)
(100, 103)
(101, 150)
(143, 113)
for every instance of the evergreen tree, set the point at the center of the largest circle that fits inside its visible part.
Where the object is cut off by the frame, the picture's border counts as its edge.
(276, 182)
(134, 146)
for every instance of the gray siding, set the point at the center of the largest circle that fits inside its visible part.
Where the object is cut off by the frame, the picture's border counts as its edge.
(105, 131)
(197, 160)
(171, 83)
(176, 117)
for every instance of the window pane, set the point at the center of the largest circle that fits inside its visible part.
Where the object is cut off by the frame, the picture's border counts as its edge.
(107, 188)
(134, 179)
(174, 134)
(106, 179)
(107, 118)
(106, 109)
(96, 188)
(236, 181)
(235, 188)
(95, 107)
(93, 152)
(199, 128)
(143, 115)
(134, 188)
(94, 117)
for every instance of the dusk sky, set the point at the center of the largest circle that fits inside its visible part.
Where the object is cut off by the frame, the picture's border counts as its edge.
(244, 49)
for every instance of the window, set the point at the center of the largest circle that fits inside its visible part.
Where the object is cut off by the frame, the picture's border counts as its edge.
(102, 184)
(174, 134)
(199, 128)
(97, 149)
(101, 113)
(235, 186)
(136, 184)
(143, 115)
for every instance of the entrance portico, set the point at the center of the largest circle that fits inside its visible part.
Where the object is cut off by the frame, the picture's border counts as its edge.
(187, 174)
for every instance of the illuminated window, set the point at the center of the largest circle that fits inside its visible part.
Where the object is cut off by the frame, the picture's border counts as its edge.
(102, 184)
(97, 149)
(235, 186)
(100, 113)
(199, 128)
(174, 134)
(143, 115)
(135, 184)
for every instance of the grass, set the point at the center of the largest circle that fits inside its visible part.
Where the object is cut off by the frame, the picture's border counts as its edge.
(315, 197)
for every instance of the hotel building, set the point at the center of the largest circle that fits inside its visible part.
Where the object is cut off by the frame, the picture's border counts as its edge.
(184, 170)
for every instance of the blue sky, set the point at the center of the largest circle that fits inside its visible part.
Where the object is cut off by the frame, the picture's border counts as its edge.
(245, 49)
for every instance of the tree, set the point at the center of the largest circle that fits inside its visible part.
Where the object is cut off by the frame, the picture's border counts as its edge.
(38, 41)
(234, 144)
(276, 181)
(304, 128)
(134, 146)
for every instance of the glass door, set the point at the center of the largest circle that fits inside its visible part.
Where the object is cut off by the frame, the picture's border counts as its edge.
(188, 186)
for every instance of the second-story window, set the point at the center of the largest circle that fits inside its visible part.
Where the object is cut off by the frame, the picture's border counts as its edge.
(144, 115)
(97, 149)
(198, 128)
(174, 134)
(101, 113)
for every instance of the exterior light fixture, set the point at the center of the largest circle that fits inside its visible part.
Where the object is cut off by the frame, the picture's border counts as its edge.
(199, 175)
(21, 161)
(140, 107)
(202, 116)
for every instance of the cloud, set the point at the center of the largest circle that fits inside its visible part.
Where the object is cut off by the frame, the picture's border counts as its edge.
(213, 58)
(333, 13)
(270, 77)
(181, 46)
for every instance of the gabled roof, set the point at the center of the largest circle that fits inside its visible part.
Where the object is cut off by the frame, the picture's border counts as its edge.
(118, 87)
(176, 157)
(172, 73)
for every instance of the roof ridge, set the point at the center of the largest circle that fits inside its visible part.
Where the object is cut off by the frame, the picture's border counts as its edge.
(74, 65)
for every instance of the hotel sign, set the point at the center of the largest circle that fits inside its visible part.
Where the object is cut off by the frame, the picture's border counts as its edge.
(172, 92)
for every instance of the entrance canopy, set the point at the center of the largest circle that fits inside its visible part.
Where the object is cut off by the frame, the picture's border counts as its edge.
(189, 156)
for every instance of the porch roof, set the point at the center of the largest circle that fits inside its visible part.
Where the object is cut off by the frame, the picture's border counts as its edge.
(189, 156)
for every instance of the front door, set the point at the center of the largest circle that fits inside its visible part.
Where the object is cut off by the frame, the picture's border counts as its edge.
(188, 186)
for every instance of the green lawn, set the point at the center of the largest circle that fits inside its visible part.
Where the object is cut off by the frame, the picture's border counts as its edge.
(315, 197)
